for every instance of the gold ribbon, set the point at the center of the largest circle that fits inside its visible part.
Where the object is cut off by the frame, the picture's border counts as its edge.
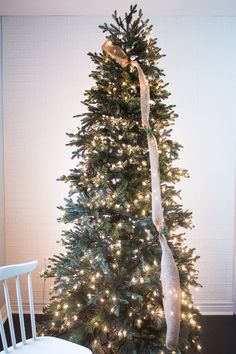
(169, 272)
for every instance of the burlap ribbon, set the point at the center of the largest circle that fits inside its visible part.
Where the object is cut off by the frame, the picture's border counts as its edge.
(169, 272)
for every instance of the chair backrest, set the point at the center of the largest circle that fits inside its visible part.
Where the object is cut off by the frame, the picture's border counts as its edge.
(14, 271)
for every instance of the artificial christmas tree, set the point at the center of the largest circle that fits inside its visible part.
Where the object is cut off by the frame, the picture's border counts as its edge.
(107, 292)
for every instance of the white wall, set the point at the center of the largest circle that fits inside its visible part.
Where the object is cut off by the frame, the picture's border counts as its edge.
(106, 7)
(201, 53)
(2, 218)
(2, 231)
(45, 74)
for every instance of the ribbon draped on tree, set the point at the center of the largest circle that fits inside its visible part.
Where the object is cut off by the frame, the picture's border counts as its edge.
(169, 272)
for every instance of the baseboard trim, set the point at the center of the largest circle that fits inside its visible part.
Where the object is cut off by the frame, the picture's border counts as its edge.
(38, 308)
(4, 313)
(206, 308)
(215, 308)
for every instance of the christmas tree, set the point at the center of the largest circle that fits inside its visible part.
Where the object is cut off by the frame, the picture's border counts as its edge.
(107, 292)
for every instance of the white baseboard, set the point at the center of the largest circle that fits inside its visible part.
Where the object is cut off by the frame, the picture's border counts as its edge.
(38, 308)
(213, 308)
(207, 308)
(4, 313)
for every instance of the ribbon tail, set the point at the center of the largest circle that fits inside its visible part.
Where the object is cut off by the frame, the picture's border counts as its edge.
(171, 294)
(144, 95)
(157, 210)
(169, 271)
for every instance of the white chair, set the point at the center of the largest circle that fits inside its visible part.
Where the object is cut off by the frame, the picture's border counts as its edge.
(34, 345)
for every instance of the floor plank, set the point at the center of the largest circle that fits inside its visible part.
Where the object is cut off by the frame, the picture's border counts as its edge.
(218, 333)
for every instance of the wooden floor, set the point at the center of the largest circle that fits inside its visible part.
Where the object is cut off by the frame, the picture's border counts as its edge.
(218, 333)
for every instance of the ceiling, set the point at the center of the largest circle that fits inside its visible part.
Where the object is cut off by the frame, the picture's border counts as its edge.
(106, 7)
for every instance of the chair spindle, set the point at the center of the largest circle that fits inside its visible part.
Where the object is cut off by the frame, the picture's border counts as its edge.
(31, 303)
(9, 313)
(20, 309)
(3, 336)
